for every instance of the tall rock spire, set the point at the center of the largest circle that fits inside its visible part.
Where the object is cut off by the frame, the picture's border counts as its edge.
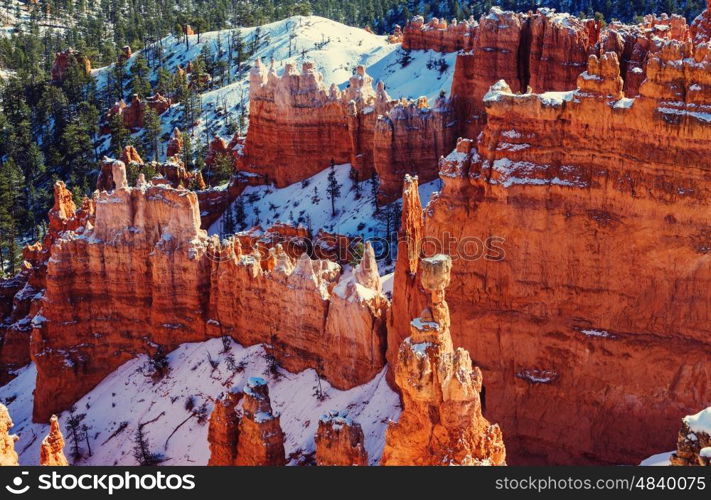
(52, 448)
(441, 422)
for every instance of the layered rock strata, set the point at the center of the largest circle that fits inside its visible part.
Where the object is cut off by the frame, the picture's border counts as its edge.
(441, 422)
(600, 204)
(438, 35)
(222, 429)
(158, 280)
(293, 115)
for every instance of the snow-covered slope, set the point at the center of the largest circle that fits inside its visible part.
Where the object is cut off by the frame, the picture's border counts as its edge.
(307, 203)
(334, 48)
(130, 396)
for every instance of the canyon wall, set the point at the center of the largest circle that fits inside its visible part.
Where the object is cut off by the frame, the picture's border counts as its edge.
(438, 35)
(546, 51)
(144, 276)
(293, 116)
(592, 328)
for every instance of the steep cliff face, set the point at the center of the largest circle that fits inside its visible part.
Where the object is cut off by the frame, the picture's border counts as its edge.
(441, 422)
(701, 27)
(293, 116)
(340, 441)
(145, 276)
(260, 438)
(19, 295)
(694, 441)
(602, 204)
(438, 35)
(544, 50)
(8, 455)
(52, 447)
(410, 140)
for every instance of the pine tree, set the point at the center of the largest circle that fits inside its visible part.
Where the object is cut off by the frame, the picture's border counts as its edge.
(152, 126)
(240, 215)
(139, 83)
(334, 189)
(119, 134)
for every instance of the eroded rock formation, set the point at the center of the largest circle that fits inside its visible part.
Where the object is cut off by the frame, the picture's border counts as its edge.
(63, 61)
(409, 140)
(260, 438)
(438, 35)
(339, 441)
(294, 115)
(694, 441)
(601, 205)
(52, 447)
(158, 280)
(223, 429)
(441, 422)
(8, 455)
(133, 113)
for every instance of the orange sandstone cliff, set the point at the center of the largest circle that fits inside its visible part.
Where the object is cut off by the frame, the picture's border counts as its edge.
(441, 422)
(602, 204)
(144, 274)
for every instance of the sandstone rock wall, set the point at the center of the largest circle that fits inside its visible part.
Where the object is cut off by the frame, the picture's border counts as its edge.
(298, 127)
(145, 275)
(438, 35)
(602, 204)
(410, 140)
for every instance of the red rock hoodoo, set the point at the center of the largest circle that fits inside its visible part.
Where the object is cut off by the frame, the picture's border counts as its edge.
(260, 439)
(8, 455)
(441, 422)
(601, 205)
(339, 441)
(133, 113)
(223, 429)
(52, 447)
(63, 61)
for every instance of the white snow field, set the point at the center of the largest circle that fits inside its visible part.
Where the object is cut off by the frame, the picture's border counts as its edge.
(130, 396)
